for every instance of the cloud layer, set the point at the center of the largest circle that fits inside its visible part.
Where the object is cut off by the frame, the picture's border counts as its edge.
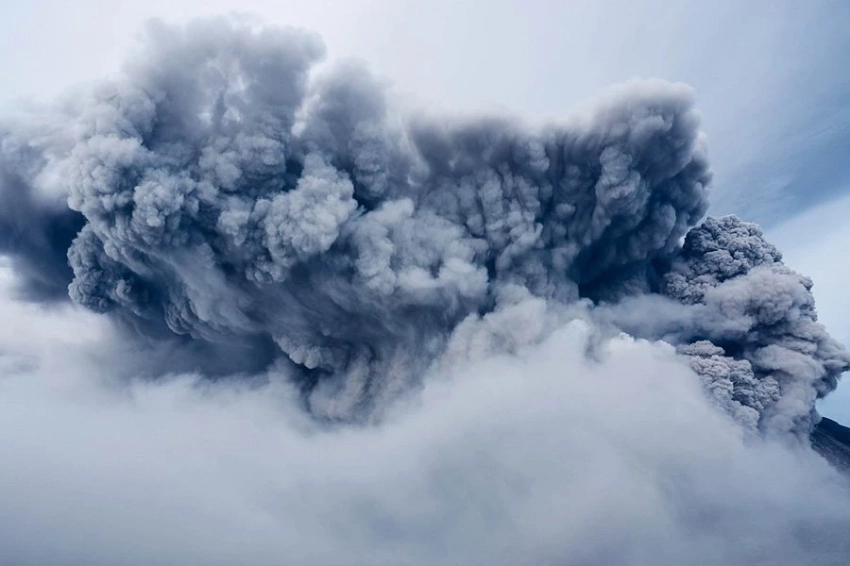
(541, 454)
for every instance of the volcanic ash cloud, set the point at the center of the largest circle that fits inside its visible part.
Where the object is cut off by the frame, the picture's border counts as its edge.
(261, 319)
(218, 198)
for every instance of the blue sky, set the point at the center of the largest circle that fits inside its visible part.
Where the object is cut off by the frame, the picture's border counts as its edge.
(771, 81)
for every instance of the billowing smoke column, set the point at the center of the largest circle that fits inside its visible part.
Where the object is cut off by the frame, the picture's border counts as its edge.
(219, 193)
(760, 345)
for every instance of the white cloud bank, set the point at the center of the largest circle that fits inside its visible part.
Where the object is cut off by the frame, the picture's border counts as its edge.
(544, 456)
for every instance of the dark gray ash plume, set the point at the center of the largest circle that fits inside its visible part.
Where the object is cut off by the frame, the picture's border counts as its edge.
(218, 192)
(746, 321)
(769, 323)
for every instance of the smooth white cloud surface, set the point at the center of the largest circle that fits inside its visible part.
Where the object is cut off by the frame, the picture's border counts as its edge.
(544, 457)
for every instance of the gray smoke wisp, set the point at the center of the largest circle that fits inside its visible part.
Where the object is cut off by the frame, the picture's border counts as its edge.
(221, 191)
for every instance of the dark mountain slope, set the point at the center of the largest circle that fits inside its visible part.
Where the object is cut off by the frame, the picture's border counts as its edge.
(832, 441)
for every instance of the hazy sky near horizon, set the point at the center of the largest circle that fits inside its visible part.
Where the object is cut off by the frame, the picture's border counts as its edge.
(770, 79)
